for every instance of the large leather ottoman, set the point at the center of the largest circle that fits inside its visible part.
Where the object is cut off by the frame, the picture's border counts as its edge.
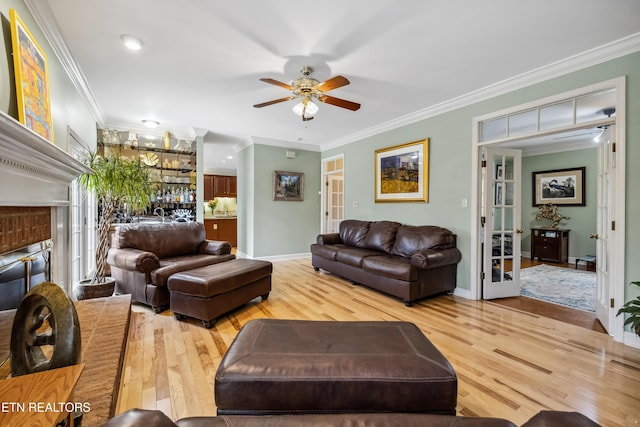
(207, 292)
(278, 366)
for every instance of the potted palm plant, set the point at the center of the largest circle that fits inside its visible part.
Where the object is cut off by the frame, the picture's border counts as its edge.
(632, 308)
(116, 182)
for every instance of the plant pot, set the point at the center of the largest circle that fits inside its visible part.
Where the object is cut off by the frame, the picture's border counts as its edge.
(84, 289)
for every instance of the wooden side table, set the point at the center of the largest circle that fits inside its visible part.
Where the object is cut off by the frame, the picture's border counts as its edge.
(550, 243)
(39, 399)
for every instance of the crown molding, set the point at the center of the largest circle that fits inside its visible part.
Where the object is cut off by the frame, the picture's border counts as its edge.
(598, 55)
(43, 16)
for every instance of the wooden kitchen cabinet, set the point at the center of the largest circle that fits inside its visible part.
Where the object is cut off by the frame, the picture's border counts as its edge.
(220, 186)
(225, 186)
(225, 229)
(208, 187)
(550, 243)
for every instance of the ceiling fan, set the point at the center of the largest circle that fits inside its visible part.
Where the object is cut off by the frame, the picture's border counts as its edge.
(307, 89)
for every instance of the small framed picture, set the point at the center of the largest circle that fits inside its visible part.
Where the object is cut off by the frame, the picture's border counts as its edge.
(562, 187)
(288, 186)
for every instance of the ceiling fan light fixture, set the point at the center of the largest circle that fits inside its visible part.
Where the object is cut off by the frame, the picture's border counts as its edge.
(131, 42)
(305, 108)
(151, 124)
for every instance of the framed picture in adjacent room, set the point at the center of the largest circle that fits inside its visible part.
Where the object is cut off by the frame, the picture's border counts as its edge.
(288, 186)
(402, 172)
(562, 187)
(32, 80)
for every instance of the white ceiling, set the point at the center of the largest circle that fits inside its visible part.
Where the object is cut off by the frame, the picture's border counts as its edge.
(199, 67)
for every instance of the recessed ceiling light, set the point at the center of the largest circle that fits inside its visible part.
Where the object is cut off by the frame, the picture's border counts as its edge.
(229, 157)
(131, 42)
(151, 124)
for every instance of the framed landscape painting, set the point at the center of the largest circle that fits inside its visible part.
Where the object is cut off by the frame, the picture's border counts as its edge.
(288, 186)
(562, 187)
(32, 83)
(402, 172)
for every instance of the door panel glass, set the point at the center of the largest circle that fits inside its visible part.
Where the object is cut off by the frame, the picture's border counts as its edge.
(509, 188)
(523, 123)
(556, 115)
(493, 129)
(593, 106)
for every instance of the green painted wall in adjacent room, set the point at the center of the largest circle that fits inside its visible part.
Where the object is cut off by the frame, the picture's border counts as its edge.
(582, 219)
(281, 228)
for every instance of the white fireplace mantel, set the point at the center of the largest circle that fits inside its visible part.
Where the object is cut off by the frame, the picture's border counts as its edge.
(33, 171)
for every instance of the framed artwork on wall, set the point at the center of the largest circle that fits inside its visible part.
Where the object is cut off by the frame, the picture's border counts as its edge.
(402, 172)
(32, 81)
(288, 186)
(561, 187)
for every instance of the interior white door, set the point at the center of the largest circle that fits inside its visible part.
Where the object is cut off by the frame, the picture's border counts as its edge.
(501, 223)
(335, 203)
(604, 312)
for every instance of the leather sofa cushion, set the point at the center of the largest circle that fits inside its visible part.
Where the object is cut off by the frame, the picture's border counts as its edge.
(155, 418)
(326, 251)
(354, 232)
(382, 235)
(391, 266)
(163, 239)
(169, 266)
(354, 256)
(411, 239)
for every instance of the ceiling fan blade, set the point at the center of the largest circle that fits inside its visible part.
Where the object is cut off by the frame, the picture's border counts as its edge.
(332, 83)
(306, 119)
(275, 101)
(353, 106)
(277, 83)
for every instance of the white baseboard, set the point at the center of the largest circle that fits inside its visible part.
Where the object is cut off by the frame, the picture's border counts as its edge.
(464, 293)
(285, 257)
(631, 339)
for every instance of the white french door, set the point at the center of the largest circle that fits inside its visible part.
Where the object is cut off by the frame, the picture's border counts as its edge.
(604, 312)
(501, 228)
(335, 203)
(333, 194)
(82, 218)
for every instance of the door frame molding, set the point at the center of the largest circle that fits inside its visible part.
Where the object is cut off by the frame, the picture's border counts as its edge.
(617, 248)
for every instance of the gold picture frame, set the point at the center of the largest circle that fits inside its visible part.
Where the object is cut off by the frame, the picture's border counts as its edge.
(402, 172)
(32, 79)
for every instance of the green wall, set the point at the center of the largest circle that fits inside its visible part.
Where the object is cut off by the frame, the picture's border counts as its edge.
(67, 107)
(582, 219)
(450, 161)
(277, 228)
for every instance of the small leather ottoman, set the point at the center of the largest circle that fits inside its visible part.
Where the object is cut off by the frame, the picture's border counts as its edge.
(207, 292)
(296, 366)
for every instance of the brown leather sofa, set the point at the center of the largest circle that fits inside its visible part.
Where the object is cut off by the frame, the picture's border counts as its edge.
(146, 418)
(409, 262)
(143, 256)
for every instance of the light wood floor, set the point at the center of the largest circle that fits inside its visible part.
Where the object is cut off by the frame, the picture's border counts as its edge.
(510, 363)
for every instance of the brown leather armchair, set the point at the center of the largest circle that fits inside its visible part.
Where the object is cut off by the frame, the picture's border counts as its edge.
(143, 257)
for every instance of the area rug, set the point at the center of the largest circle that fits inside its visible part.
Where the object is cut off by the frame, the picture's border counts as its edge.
(562, 286)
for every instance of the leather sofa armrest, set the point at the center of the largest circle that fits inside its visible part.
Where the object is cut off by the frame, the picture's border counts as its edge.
(432, 258)
(328, 239)
(140, 418)
(133, 259)
(215, 247)
(560, 418)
